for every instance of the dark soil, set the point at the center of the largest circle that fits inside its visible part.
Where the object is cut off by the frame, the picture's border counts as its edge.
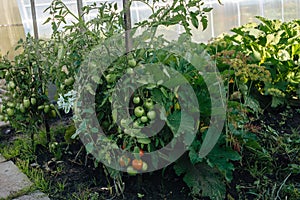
(283, 120)
(81, 180)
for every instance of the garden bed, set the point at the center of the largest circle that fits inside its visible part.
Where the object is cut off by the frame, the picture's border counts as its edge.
(75, 177)
(229, 108)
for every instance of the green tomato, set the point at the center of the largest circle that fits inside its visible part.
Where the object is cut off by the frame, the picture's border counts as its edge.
(145, 166)
(132, 62)
(5, 119)
(69, 81)
(11, 105)
(123, 122)
(129, 71)
(41, 107)
(151, 114)
(110, 78)
(53, 113)
(131, 171)
(22, 108)
(144, 119)
(1, 117)
(2, 107)
(105, 124)
(33, 100)
(129, 56)
(46, 108)
(149, 104)
(14, 95)
(10, 112)
(26, 103)
(136, 100)
(136, 124)
(139, 111)
(11, 85)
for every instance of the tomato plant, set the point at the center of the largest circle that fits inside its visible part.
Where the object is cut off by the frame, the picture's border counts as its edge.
(264, 58)
(27, 87)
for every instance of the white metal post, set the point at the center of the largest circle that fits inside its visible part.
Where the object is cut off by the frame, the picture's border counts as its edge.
(34, 21)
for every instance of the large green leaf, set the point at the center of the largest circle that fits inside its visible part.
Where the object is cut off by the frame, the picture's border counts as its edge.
(221, 157)
(201, 179)
(182, 123)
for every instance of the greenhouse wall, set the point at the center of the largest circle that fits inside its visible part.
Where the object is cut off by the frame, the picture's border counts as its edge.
(11, 28)
(224, 17)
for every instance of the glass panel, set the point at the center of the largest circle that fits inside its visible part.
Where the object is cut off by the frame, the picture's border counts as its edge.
(248, 10)
(272, 9)
(291, 9)
(92, 14)
(233, 13)
(41, 5)
(139, 12)
(225, 17)
(25, 11)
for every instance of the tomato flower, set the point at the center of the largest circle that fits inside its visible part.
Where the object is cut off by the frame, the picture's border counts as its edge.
(66, 101)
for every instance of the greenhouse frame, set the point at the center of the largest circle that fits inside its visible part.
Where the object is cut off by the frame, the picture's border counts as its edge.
(150, 99)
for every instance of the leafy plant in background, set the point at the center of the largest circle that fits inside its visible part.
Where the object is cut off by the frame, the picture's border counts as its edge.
(258, 62)
(274, 46)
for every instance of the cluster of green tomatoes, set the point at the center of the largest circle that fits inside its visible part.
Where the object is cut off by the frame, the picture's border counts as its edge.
(14, 106)
(143, 110)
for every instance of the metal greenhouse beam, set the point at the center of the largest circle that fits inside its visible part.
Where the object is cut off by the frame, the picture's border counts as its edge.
(79, 8)
(34, 21)
(127, 23)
